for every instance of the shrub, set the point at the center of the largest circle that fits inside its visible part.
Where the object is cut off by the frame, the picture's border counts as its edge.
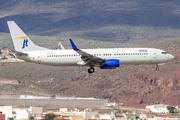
(170, 108)
(49, 116)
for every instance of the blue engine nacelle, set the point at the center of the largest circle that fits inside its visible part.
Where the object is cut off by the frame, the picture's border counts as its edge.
(110, 64)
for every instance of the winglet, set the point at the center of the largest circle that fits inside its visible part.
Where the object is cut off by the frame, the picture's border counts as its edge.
(73, 45)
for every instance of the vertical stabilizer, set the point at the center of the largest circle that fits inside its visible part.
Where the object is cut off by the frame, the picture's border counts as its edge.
(20, 40)
(60, 46)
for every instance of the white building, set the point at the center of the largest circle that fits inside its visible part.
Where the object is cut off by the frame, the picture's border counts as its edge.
(108, 117)
(114, 104)
(26, 97)
(76, 114)
(61, 110)
(177, 107)
(158, 108)
(36, 112)
(22, 114)
(7, 110)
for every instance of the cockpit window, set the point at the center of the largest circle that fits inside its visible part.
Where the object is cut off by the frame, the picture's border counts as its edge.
(164, 52)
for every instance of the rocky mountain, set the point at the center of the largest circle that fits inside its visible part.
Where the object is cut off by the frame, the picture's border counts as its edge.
(135, 22)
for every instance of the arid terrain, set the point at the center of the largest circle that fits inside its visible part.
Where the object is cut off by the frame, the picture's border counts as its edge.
(137, 85)
(93, 24)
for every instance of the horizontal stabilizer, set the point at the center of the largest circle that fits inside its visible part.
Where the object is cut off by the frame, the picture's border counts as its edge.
(18, 53)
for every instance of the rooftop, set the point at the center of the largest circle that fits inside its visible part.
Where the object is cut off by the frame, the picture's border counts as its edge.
(164, 116)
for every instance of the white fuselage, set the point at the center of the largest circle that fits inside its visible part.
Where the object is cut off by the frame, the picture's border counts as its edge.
(126, 56)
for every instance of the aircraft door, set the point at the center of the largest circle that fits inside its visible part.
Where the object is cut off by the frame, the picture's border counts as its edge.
(155, 54)
(39, 57)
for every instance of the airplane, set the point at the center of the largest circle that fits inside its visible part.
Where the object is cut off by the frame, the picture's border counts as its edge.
(106, 58)
(60, 46)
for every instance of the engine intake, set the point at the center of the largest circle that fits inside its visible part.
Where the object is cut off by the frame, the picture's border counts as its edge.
(110, 64)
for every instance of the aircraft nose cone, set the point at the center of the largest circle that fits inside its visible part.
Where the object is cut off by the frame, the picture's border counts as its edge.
(171, 57)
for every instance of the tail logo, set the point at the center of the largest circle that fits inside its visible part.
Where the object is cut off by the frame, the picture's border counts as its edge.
(25, 42)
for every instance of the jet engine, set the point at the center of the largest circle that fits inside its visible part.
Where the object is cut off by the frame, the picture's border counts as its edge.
(110, 64)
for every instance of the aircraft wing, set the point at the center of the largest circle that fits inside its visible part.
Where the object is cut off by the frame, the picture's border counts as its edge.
(86, 57)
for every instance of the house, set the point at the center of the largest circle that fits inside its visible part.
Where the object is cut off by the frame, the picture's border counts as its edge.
(5, 52)
(177, 107)
(76, 117)
(2, 116)
(36, 112)
(161, 117)
(73, 115)
(7, 110)
(158, 108)
(22, 114)
(108, 117)
(96, 117)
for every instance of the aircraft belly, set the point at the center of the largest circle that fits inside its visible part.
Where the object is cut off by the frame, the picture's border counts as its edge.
(60, 62)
